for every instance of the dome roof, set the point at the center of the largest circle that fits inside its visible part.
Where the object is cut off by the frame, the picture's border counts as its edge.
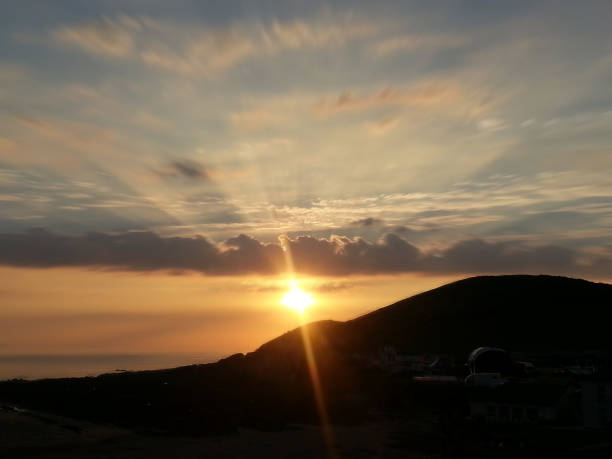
(479, 351)
(490, 360)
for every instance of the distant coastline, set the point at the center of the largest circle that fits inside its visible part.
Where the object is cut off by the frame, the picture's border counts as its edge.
(79, 365)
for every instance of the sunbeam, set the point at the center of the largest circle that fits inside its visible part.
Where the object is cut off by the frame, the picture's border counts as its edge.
(299, 300)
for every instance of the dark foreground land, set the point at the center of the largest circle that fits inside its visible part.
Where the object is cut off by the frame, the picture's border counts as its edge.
(261, 404)
(32, 435)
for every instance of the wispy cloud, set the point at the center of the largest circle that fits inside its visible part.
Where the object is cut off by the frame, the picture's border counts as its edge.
(369, 221)
(426, 94)
(185, 168)
(106, 36)
(10, 197)
(491, 124)
(257, 118)
(190, 50)
(204, 54)
(410, 43)
(301, 34)
(383, 125)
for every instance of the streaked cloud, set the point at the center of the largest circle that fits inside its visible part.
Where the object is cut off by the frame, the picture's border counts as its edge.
(106, 36)
(299, 34)
(255, 119)
(383, 125)
(491, 124)
(409, 43)
(191, 50)
(10, 197)
(424, 95)
(185, 168)
(208, 53)
(368, 221)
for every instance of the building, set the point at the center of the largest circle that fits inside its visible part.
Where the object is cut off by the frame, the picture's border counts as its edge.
(596, 401)
(491, 360)
(518, 402)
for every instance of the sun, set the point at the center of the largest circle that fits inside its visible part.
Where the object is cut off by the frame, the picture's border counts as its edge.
(296, 298)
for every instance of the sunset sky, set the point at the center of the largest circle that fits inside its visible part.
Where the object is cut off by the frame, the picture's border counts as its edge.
(160, 162)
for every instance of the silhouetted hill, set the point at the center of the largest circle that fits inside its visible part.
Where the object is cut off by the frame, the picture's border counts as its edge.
(518, 312)
(523, 313)
(272, 386)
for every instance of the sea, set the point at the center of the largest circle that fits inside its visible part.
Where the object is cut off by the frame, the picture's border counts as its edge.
(68, 366)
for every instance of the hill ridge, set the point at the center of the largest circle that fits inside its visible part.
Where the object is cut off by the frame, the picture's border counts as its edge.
(494, 307)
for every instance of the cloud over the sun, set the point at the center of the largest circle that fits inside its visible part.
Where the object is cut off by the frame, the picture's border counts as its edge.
(333, 256)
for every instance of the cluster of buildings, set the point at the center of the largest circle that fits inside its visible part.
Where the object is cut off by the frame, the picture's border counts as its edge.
(501, 389)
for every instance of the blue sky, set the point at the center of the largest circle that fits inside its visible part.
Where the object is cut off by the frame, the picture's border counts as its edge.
(467, 130)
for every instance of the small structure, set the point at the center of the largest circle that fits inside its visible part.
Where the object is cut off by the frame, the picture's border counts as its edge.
(484, 380)
(596, 401)
(436, 379)
(392, 361)
(517, 402)
(491, 360)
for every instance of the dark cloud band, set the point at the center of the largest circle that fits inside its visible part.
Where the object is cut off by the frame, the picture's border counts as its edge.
(334, 256)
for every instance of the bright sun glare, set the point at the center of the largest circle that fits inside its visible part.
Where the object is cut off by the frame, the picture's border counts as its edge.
(296, 298)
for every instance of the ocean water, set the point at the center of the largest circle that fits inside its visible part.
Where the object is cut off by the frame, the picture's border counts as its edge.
(60, 366)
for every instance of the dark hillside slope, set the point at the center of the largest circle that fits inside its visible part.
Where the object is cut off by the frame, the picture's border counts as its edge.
(518, 312)
(523, 313)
